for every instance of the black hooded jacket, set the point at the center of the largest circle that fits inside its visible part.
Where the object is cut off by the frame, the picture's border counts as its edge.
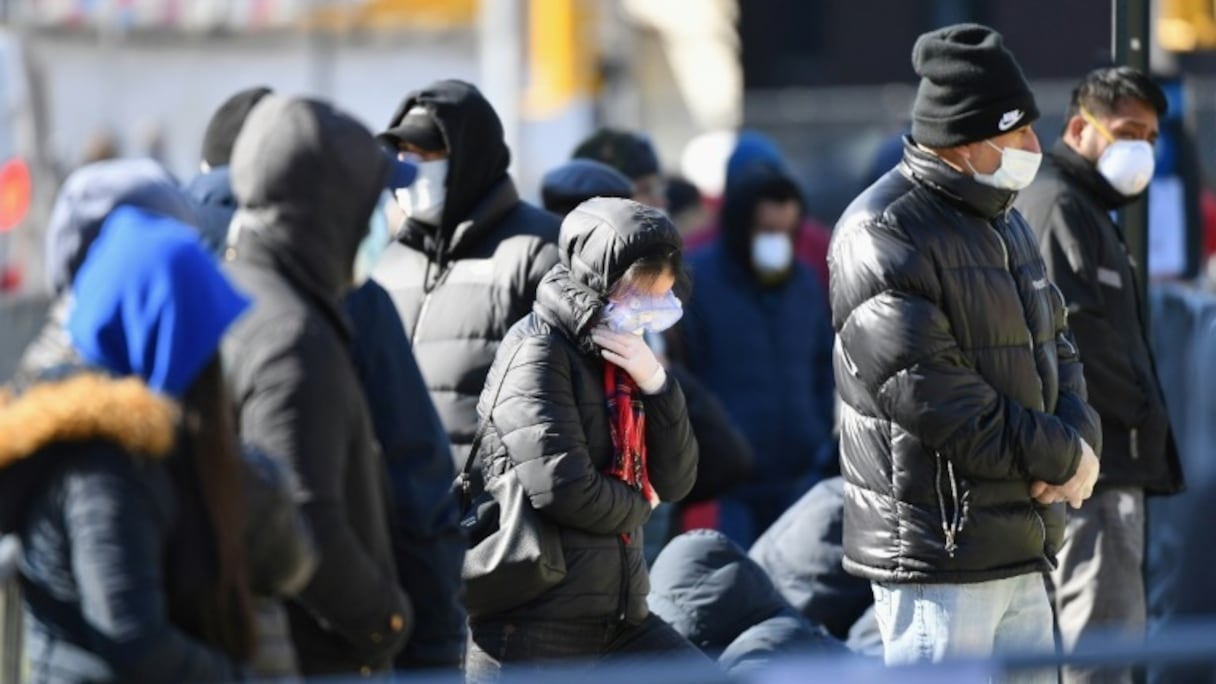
(459, 286)
(959, 378)
(551, 418)
(307, 178)
(1069, 207)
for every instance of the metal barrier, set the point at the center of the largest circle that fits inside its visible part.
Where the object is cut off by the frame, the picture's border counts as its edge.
(1189, 645)
(11, 628)
(20, 321)
(1184, 341)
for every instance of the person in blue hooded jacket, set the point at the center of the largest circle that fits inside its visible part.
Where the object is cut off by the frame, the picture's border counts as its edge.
(755, 149)
(758, 333)
(120, 472)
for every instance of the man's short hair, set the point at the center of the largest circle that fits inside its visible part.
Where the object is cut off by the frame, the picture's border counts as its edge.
(1101, 89)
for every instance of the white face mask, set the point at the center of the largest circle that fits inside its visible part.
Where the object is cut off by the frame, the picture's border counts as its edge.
(1128, 166)
(1017, 170)
(424, 198)
(772, 253)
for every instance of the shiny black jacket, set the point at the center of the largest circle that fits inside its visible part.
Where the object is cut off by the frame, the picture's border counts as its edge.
(959, 378)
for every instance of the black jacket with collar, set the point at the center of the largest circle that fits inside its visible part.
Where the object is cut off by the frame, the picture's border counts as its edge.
(959, 379)
(1069, 206)
(459, 286)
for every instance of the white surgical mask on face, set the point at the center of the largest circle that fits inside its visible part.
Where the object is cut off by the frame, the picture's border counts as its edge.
(425, 197)
(1128, 166)
(772, 253)
(1017, 170)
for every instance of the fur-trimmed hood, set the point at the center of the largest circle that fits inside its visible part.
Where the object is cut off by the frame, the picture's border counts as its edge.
(86, 407)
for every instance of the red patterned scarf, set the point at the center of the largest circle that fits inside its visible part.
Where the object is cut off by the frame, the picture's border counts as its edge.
(627, 420)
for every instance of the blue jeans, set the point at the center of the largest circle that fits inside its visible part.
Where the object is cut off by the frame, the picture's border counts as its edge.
(933, 622)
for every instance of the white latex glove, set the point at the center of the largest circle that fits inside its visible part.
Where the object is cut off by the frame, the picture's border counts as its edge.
(633, 356)
(1078, 489)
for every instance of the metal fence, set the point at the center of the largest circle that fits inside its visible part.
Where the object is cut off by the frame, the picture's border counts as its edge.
(20, 320)
(11, 634)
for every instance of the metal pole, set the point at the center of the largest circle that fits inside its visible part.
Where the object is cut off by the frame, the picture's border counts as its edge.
(501, 57)
(1131, 26)
(1130, 30)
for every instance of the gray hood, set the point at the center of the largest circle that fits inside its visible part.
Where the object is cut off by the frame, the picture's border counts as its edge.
(307, 178)
(86, 200)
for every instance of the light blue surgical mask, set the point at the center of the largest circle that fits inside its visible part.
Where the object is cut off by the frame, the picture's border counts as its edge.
(638, 314)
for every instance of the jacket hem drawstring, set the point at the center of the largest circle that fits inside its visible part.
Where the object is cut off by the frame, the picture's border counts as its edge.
(952, 523)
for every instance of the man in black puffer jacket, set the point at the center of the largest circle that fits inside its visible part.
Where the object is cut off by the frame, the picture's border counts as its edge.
(465, 264)
(964, 399)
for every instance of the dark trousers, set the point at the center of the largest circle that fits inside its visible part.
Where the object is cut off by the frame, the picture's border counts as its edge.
(520, 647)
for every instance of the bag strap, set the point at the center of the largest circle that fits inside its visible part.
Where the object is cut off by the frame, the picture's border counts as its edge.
(482, 428)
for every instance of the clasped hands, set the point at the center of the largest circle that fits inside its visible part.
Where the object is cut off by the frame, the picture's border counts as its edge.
(1077, 489)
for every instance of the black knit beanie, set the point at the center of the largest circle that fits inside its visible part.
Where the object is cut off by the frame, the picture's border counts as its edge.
(971, 87)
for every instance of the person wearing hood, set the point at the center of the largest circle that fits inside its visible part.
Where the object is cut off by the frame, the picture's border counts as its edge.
(757, 333)
(211, 189)
(427, 543)
(803, 553)
(307, 178)
(633, 155)
(1104, 161)
(710, 592)
(465, 264)
(964, 421)
(278, 546)
(578, 409)
(724, 456)
(120, 471)
(755, 149)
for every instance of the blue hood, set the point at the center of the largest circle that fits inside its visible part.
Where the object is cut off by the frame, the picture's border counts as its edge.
(150, 301)
(87, 198)
(752, 149)
(215, 204)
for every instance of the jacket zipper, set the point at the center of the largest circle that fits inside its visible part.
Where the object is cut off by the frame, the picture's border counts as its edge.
(426, 303)
(1135, 444)
(429, 288)
(1043, 529)
(1009, 267)
(624, 595)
